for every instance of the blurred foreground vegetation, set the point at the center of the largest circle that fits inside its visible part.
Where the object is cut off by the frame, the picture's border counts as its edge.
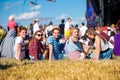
(10, 69)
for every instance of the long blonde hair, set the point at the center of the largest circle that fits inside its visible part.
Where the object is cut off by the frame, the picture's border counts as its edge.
(91, 31)
(34, 37)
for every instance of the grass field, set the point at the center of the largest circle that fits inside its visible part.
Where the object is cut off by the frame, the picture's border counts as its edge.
(11, 69)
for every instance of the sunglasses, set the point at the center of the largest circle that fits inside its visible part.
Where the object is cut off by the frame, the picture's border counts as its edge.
(39, 35)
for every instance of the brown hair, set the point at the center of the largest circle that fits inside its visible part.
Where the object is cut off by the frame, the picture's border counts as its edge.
(91, 31)
(21, 28)
(34, 37)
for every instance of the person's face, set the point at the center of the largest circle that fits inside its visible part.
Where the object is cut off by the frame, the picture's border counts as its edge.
(23, 33)
(38, 36)
(56, 33)
(69, 20)
(90, 36)
(75, 33)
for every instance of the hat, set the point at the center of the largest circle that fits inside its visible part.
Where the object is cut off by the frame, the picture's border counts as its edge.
(113, 25)
(104, 28)
(55, 27)
(11, 17)
(37, 19)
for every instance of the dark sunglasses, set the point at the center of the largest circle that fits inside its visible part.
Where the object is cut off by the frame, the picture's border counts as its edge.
(39, 35)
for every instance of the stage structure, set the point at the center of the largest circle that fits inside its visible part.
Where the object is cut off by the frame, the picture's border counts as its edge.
(107, 12)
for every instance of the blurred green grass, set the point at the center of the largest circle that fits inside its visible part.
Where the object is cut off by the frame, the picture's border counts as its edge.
(10, 69)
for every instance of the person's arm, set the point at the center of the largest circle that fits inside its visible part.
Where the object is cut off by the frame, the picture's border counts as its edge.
(50, 51)
(16, 26)
(8, 28)
(97, 49)
(19, 51)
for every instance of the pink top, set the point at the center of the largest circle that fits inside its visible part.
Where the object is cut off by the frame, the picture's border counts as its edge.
(12, 25)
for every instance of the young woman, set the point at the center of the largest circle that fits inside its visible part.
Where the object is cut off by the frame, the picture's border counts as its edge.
(102, 50)
(35, 46)
(19, 47)
(74, 49)
(6, 47)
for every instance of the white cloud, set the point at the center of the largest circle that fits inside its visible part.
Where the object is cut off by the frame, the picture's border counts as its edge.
(74, 22)
(78, 20)
(27, 15)
(63, 16)
(8, 5)
(35, 7)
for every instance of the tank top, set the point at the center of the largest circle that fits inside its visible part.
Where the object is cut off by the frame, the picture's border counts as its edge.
(103, 46)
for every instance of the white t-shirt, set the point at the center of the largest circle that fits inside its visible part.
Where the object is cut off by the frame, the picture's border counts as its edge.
(83, 30)
(110, 44)
(112, 38)
(17, 41)
(67, 26)
(110, 30)
(36, 27)
(49, 28)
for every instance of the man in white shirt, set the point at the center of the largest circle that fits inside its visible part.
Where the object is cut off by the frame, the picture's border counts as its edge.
(83, 29)
(67, 25)
(36, 25)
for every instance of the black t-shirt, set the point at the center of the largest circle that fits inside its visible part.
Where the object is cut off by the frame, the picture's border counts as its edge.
(61, 26)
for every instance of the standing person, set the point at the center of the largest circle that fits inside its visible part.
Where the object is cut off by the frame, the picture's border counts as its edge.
(83, 29)
(102, 50)
(19, 47)
(73, 48)
(35, 46)
(6, 47)
(12, 24)
(48, 30)
(31, 30)
(1, 34)
(67, 26)
(53, 44)
(62, 26)
(36, 26)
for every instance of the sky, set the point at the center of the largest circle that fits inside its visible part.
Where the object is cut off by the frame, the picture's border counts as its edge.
(46, 11)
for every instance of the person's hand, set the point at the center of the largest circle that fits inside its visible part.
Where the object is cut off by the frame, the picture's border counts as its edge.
(26, 41)
(44, 40)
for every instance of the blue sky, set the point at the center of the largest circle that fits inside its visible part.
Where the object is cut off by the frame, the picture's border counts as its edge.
(25, 13)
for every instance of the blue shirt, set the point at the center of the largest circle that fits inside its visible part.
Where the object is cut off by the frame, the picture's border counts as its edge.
(55, 43)
(70, 46)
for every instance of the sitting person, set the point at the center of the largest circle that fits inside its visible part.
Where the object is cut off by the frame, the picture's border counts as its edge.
(35, 46)
(19, 47)
(53, 44)
(104, 33)
(102, 50)
(73, 48)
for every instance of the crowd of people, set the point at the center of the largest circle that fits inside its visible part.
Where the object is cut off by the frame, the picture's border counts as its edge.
(59, 42)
